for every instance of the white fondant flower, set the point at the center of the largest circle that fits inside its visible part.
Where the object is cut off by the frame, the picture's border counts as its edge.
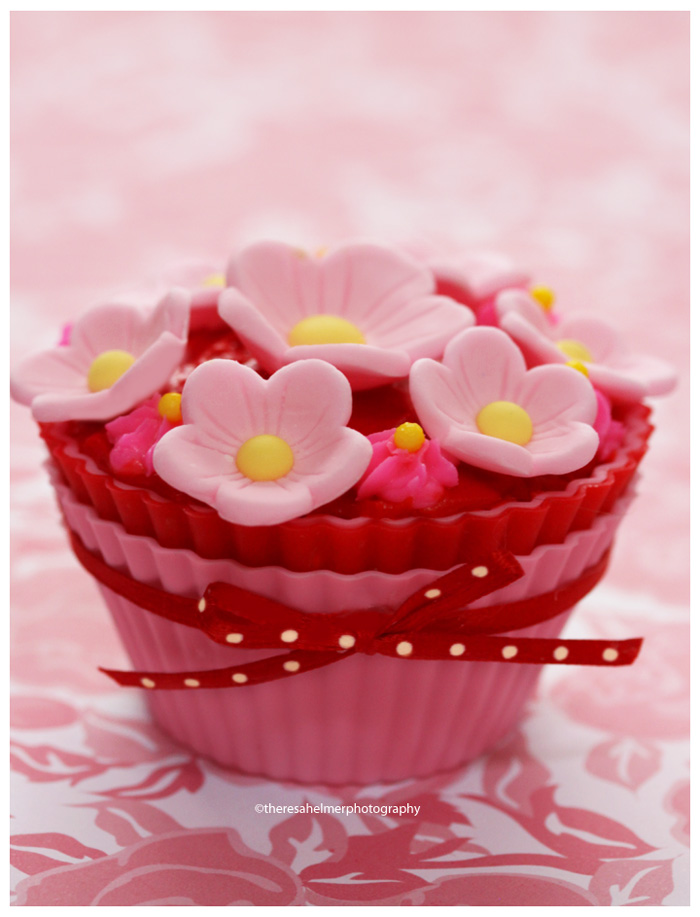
(368, 310)
(114, 357)
(264, 451)
(611, 366)
(487, 409)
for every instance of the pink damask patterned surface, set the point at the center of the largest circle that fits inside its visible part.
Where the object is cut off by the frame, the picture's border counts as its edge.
(141, 140)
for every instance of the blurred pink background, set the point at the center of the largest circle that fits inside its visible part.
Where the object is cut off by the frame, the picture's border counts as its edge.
(140, 140)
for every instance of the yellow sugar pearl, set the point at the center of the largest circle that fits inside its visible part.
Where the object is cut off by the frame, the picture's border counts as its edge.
(575, 350)
(214, 280)
(409, 436)
(505, 420)
(107, 368)
(169, 407)
(581, 367)
(325, 329)
(321, 252)
(544, 296)
(265, 458)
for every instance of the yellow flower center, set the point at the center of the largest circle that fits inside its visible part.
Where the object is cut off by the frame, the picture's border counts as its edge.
(505, 420)
(544, 296)
(169, 407)
(575, 350)
(325, 329)
(577, 364)
(214, 280)
(107, 368)
(409, 436)
(265, 458)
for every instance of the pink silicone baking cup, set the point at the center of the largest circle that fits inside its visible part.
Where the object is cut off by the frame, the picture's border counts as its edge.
(363, 719)
(352, 545)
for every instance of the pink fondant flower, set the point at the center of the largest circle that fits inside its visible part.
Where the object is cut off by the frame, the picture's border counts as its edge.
(475, 278)
(368, 310)
(487, 409)
(611, 367)
(117, 356)
(419, 473)
(203, 280)
(134, 435)
(261, 452)
(610, 432)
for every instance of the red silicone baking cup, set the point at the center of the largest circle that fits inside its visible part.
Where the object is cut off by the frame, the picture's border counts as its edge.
(352, 545)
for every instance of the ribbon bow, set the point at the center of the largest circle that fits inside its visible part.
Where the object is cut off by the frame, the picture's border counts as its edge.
(435, 622)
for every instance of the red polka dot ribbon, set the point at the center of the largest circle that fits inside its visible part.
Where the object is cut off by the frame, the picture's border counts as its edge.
(436, 622)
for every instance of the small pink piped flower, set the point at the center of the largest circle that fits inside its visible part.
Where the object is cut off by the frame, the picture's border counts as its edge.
(264, 451)
(368, 310)
(407, 466)
(116, 357)
(488, 410)
(612, 367)
(134, 435)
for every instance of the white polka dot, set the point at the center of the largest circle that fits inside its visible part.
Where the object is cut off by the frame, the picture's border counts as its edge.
(347, 641)
(610, 654)
(404, 648)
(457, 649)
(561, 652)
(292, 666)
(201, 604)
(480, 572)
(239, 678)
(234, 638)
(191, 682)
(289, 636)
(148, 683)
(509, 651)
(433, 593)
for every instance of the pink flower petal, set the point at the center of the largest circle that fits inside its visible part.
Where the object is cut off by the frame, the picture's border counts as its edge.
(425, 327)
(226, 402)
(557, 393)
(363, 365)
(197, 469)
(532, 340)
(40, 372)
(278, 280)
(264, 336)
(333, 467)
(522, 304)
(262, 503)
(109, 327)
(367, 283)
(488, 365)
(563, 448)
(481, 274)
(603, 341)
(489, 453)
(633, 376)
(295, 410)
(441, 399)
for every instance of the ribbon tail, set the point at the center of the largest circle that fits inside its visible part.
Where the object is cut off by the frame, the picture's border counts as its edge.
(271, 668)
(533, 650)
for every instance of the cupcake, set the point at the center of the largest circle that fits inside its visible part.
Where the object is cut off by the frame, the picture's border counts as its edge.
(341, 505)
